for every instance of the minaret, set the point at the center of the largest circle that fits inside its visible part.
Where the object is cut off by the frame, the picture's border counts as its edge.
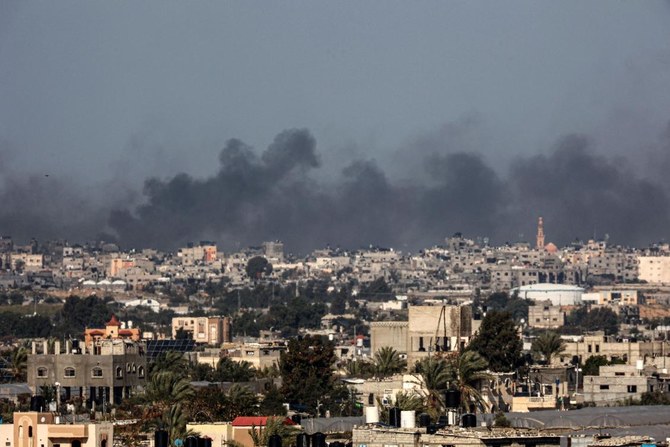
(540, 234)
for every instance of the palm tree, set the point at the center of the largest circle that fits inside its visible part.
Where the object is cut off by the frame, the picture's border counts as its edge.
(167, 388)
(387, 362)
(407, 401)
(171, 361)
(434, 375)
(240, 401)
(548, 344)
(273, 426)
(19, 364)
(357, 368)
(466, 371)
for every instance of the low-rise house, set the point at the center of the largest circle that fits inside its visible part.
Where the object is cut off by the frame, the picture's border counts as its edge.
(33, 428)
(616, 383)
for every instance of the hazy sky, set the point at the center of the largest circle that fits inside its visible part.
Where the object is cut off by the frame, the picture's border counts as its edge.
(110, 93)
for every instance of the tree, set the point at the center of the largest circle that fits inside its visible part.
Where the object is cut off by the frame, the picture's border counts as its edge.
(498, 342)
(434, 375)
(592, 364)
(273, 403)
(171, 361)
(229, 370)
(19, 364)
(465, 372)
(258, 267)
(600, 319)
(273, 426)
(387, 362)
(240, 401)
(307, 377)
(166, 388)
(547, 345)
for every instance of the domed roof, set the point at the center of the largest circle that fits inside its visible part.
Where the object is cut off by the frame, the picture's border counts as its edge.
(113, 321)
(551, 247)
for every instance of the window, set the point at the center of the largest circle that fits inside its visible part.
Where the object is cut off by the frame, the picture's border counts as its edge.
(140, 371)
(632, 388)
(119, 372)
(128, 367)
(96, 372)
(604, 387)
(69, 372)
(619, 374)
(590, 348)
(597, 348)
(42, 372)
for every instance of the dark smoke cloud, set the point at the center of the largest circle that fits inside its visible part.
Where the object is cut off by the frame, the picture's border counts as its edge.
(44, 205)
(278, 195)
(281, 193)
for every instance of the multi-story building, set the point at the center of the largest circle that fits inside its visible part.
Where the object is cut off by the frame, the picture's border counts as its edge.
(203, 253)
(113, 330)
(109, 372)
(260, 356)
(546, 316)
(654, 269)
(208, 330)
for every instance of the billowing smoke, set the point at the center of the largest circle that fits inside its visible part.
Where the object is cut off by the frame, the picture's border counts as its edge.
(278, 195)
(281, 193)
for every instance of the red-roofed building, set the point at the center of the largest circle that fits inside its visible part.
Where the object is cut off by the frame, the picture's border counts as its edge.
(243, 424)
(113, 330)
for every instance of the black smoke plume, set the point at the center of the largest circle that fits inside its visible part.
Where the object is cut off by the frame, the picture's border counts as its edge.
(278, 195)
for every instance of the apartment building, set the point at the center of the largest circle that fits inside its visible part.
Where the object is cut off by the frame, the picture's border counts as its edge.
(109, 372)
(207, 330)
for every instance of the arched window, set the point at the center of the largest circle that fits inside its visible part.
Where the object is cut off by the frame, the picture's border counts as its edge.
(134, 368)
(69, 372)
(119, 372)
(96, 372)
(140, 371)
(42, 372)
(127, 367)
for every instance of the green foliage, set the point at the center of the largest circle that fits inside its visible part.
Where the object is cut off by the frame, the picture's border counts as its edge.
(599, 319)
(307, 377)
(387, 362)
(408, 401)
(548, 344)
(79, 313)
(502, 302)
(498, 342)
(167, 388)
(14, 325)
(654, 398)
(501, 420)
(377, 290)
(171, 361)
(434, 374)
(231, 371)
(592, 364)
(272, 403)
(466, 371)
(240, 401)
(273, 426)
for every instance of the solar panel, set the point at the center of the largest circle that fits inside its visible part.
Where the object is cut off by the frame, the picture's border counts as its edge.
(158, 347)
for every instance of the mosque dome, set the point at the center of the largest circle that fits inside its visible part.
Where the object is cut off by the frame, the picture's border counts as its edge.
(551, 247)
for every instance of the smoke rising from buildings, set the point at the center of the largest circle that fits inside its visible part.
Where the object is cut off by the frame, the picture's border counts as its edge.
(277, 194)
